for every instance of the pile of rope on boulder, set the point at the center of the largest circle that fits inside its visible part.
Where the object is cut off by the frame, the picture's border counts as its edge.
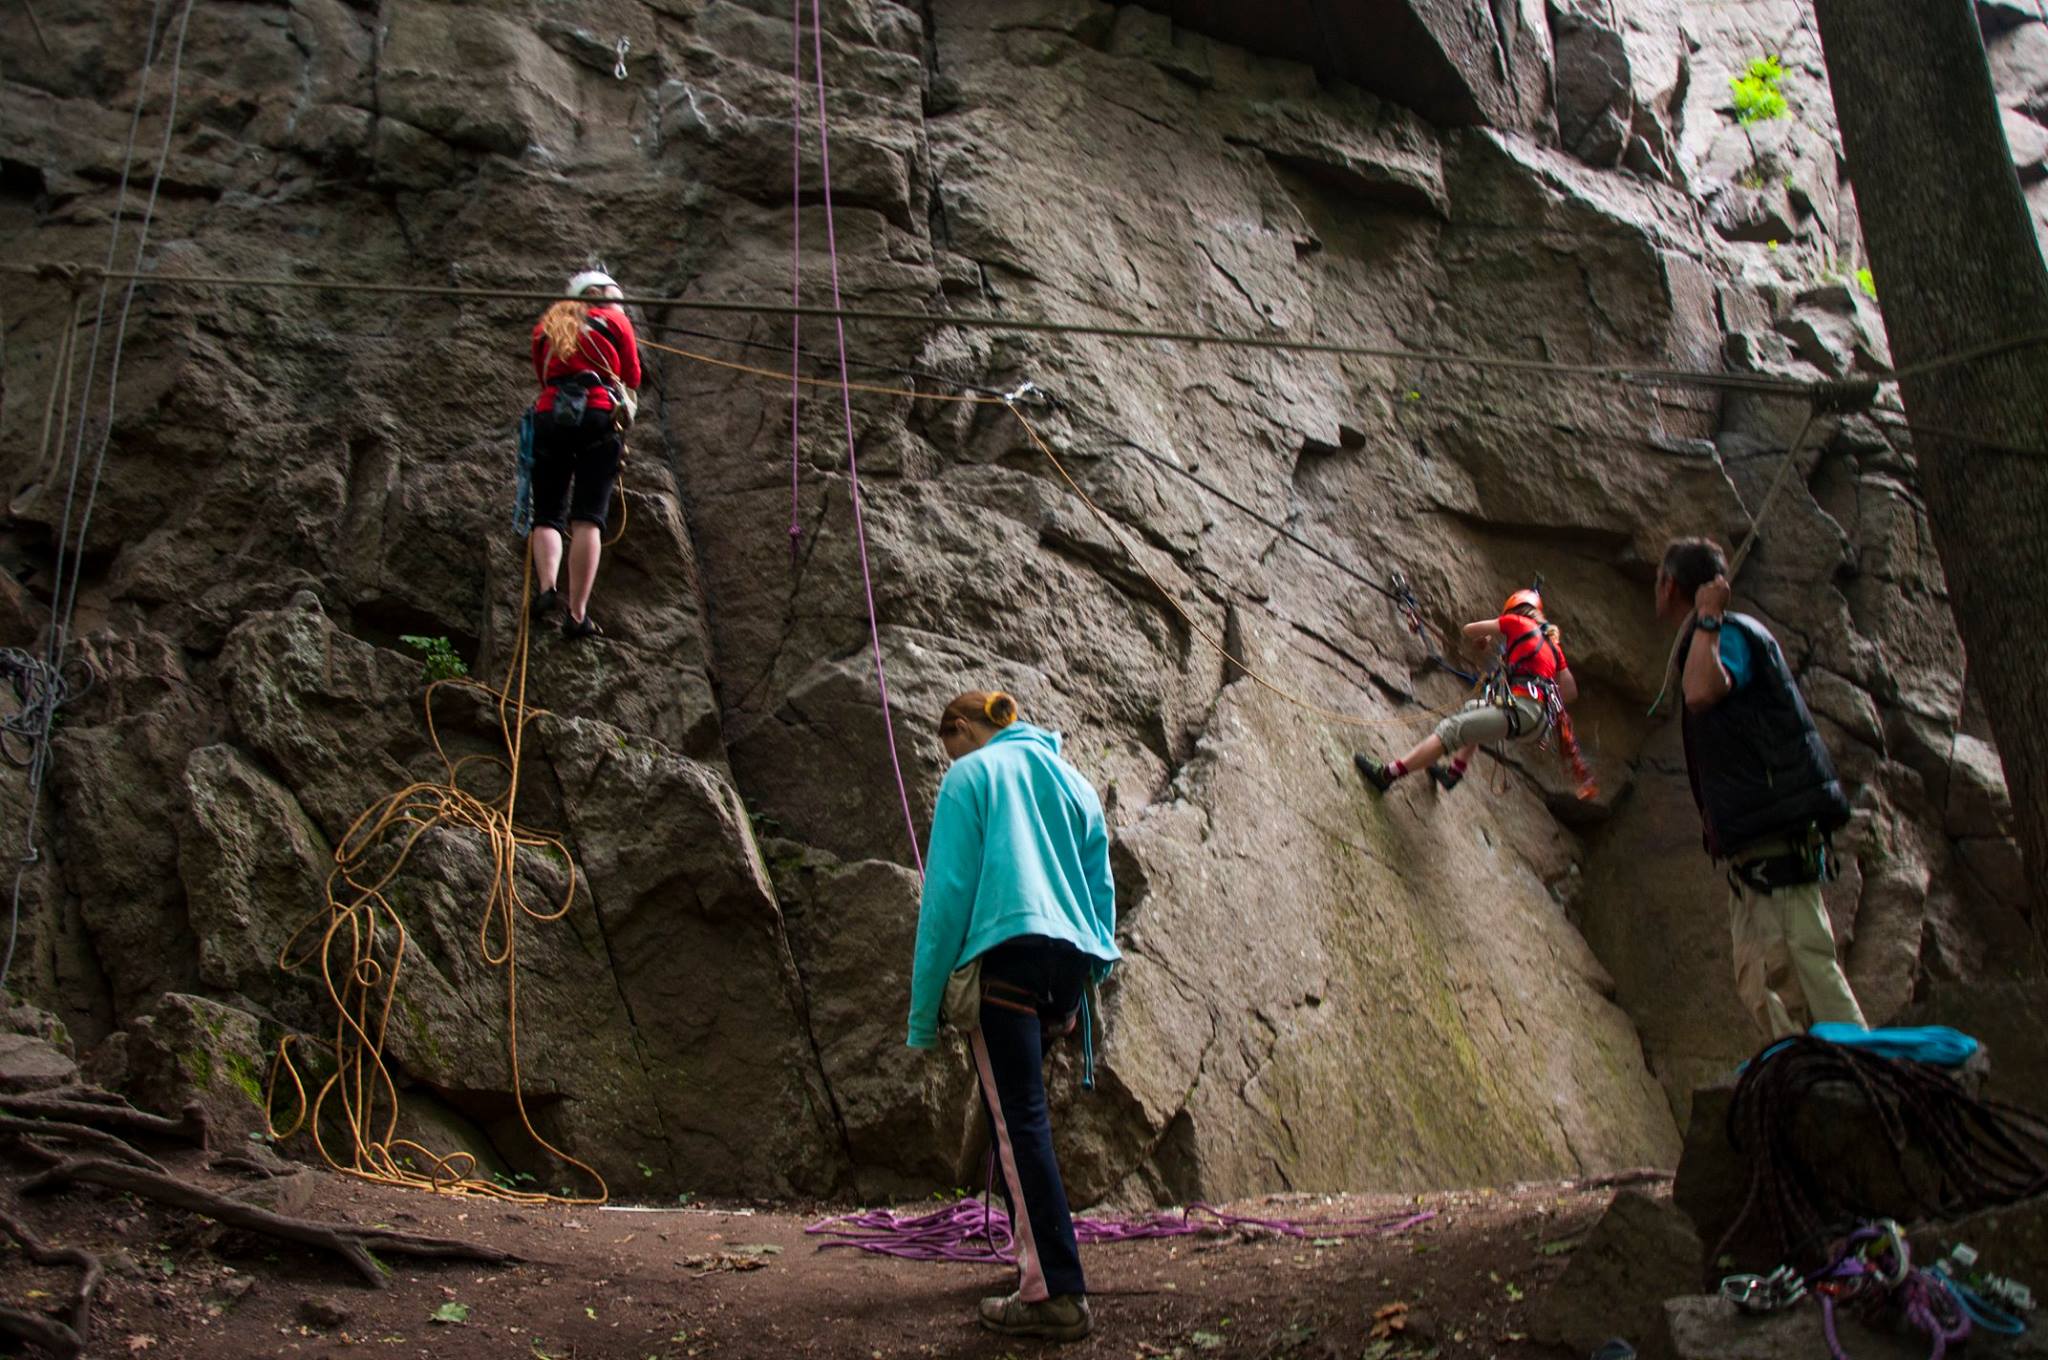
(1954, 1153)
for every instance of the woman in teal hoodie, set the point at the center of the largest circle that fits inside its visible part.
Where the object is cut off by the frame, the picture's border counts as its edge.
(1017, 877)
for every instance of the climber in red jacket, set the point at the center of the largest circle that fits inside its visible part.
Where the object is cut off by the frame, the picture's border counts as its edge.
(1525, 697)
(588, 364)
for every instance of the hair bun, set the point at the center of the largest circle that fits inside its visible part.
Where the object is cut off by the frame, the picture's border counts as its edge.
(1000, 709)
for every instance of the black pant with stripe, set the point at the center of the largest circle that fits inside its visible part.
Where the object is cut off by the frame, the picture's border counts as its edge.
(1031, 990)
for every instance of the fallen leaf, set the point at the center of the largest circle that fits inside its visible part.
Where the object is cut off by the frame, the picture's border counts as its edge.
(450, 1311)
(1207, 1341)
(590, 1313)
(1387, 1320)
(141, 1341)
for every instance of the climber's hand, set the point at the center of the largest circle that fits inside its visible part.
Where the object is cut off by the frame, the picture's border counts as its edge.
(1711, 599)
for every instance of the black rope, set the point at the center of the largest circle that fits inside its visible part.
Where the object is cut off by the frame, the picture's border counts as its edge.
(1954, 1153)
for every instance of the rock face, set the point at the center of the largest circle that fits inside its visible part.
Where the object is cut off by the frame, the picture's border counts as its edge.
(1323, 989)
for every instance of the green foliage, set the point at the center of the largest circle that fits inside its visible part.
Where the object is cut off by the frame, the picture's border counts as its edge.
(1759, 97)
(442, 661)
(450, 1311)
(1867, 281)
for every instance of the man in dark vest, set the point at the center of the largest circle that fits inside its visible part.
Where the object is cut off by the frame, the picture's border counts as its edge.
(1767, 794)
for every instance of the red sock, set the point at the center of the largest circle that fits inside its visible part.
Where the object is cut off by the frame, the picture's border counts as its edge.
(1458, 765)
(1396, 768)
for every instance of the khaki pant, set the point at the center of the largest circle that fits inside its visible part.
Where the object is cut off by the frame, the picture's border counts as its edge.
(1481, 723)
(1785, 967)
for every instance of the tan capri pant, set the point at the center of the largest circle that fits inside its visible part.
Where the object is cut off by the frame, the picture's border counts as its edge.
(1785, 967)
(1480, 723)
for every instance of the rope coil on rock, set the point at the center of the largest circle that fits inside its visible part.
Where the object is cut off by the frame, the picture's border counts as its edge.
(360, 940)
(1982, 1153)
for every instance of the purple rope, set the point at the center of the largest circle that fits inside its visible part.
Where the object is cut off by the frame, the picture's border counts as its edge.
(970, 1231)
(852, 464)
(796, 236)
(1917, 1295)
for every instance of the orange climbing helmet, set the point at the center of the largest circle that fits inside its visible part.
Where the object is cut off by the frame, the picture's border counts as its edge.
(1524, 599)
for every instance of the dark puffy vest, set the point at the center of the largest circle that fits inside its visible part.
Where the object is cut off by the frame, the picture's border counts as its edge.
(1757, 764)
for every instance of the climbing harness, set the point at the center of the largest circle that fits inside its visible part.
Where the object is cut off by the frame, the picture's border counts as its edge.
(1509, 679)
(1808, 860)
(359, 940)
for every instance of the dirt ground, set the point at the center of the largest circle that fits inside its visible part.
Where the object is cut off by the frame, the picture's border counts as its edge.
(743, 1283)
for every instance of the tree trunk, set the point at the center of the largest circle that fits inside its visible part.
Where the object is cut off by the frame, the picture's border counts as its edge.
(1958, 266)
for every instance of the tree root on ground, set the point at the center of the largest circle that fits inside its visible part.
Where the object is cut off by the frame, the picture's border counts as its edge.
(188, 1127)
(73, 1133)
(65, 1338)
(351, 1243)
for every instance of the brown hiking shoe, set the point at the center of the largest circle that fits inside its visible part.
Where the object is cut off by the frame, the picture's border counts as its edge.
(1062, 1318)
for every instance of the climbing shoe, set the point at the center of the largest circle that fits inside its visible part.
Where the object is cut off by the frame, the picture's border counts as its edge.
(577, 629)
(1374, 772)
(1446, 778)
(1063, 1318)
(544, 603)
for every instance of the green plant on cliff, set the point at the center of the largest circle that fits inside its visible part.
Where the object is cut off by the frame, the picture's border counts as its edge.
(442, 661)
(1759, 98)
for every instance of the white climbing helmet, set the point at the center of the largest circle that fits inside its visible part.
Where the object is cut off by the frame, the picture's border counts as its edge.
(589, 279)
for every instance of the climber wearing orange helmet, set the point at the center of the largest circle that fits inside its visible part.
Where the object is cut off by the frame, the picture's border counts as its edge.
(1525, 697)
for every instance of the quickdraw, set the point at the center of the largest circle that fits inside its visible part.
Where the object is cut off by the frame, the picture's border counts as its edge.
(1410, 609)
(1780, 1289)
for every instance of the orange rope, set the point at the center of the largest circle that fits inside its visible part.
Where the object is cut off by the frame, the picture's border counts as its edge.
(362, 942)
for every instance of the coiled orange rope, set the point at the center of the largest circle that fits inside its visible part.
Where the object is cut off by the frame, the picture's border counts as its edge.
(360, 941)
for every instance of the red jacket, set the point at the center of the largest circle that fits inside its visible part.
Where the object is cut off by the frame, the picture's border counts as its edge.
(1527, 653)
(608, 349)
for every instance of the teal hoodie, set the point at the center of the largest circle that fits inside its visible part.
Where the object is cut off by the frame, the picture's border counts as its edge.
(1018, 847)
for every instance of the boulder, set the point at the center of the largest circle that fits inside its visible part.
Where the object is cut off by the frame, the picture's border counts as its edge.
(1642, 1250)
(28, 1063)
(192, 1049)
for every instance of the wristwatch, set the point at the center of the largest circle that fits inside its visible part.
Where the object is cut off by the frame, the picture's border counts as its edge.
(1710, 622)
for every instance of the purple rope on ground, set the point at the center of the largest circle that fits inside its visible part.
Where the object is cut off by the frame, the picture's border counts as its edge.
(971, 1232)
(860, 532)
(796, 236)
